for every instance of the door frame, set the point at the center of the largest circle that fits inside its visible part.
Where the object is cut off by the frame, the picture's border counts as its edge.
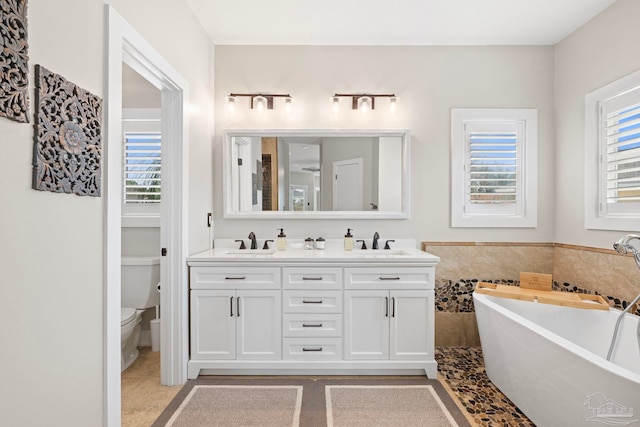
(125, 44)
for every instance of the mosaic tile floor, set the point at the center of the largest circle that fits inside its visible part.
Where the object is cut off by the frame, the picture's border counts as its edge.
(463, 370)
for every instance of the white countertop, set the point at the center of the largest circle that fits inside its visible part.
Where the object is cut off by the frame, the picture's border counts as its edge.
(402, 252)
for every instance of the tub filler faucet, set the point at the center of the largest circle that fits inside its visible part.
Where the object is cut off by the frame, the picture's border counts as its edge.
(623, 246)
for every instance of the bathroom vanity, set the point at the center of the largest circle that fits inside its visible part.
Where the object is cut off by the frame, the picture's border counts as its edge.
(312, 311)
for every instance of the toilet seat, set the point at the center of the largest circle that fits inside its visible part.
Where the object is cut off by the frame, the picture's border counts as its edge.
(127, 315)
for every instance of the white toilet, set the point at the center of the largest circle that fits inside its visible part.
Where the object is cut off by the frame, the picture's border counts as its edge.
(139, 288)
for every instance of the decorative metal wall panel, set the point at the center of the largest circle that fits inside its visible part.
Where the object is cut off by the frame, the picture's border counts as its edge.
(68, 137)
(14, 60)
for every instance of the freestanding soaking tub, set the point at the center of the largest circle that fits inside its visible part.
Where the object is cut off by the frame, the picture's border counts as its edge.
(551, 361)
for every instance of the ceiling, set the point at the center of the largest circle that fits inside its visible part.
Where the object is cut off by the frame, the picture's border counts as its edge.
(393, 22)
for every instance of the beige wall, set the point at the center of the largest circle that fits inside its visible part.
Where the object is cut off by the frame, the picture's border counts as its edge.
(429, 82)
(51, 251)
(600, 52)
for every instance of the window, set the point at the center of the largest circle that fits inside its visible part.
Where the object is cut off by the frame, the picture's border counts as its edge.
(612, 158)
(493, 167)
(142, 168)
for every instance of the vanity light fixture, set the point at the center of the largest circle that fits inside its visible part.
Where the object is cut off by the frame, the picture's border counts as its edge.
(364, 101)
(261, 101)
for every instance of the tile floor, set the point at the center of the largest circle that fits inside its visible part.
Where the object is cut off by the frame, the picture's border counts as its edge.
(143, 397)
(461, 370)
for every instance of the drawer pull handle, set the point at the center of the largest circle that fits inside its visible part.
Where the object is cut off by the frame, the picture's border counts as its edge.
(312, 349)
(393, 307)
(312, 278)
(389, 278)
(386, 306)
(312, 325)
(306, 301)
(235, 278)
(231, 306)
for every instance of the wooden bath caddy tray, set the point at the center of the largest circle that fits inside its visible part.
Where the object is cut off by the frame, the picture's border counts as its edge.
(569, 299)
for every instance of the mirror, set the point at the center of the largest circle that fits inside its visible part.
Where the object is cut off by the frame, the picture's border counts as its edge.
(316, 173)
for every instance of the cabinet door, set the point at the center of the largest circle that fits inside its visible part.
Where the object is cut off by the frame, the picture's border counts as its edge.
(411, 325)
(213, 324)
(258, 325)
(366, 325)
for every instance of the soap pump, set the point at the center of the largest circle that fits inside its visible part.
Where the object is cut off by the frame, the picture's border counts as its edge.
(281, 241)
(348, 240)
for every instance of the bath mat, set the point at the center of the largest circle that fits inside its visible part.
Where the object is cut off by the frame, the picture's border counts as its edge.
(239, 405)
(316, 401)
(387, 405)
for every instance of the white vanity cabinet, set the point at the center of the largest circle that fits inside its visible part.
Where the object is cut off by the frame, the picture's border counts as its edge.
(230, 318)
(388, 325)
(312, 313)
(389, 313)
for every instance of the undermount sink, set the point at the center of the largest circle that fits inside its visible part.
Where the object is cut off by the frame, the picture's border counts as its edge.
(380, 253)
(251, 252)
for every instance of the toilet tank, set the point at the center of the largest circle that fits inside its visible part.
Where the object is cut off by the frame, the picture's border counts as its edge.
(140, 278)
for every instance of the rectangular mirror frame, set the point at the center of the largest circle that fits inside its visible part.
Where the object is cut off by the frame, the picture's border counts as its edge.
(404, 134)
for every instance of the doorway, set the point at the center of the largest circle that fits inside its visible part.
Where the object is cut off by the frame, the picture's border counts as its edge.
(125, 45)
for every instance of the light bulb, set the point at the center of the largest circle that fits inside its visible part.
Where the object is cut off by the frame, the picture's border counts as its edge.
(364, 103)
(259, 103)
(335, 101)
(231, 103)
(393, 104)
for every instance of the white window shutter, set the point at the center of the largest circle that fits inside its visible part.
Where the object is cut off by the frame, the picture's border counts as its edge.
(612, 155)
(142, 168)
(494, 157)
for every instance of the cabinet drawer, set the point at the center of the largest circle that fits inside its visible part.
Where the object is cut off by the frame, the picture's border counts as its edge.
(312, 348)
(312, 325)
(312, 278)
(235, 278)
(389, 278)
(312, 301)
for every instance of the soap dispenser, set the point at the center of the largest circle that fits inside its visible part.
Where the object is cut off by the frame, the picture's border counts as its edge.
(348, 240)
(281, 241)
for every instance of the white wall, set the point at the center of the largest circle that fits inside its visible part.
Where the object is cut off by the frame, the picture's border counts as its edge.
(429, 82)
(51, 256)
(602, 51)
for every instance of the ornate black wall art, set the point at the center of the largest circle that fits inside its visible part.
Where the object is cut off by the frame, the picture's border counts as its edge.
(14, 60)
(68, 136)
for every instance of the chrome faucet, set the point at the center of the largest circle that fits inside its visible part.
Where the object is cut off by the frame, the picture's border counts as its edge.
(623, 247)
(254, 242)
(376, 236)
